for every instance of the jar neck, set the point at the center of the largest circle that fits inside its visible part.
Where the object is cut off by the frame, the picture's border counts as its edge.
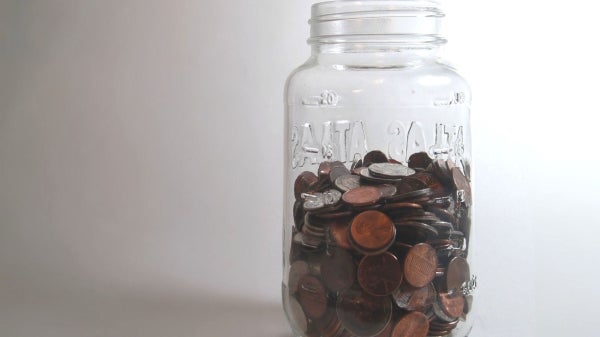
(396, 31)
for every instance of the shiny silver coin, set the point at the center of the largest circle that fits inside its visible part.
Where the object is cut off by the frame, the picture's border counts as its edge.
(390, 170)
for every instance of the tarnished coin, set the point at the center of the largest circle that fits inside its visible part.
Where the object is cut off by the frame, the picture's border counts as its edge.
(337, 270)
(374, 157)
(298, 270)
(390, 170)
(413, 324)
(348, 182)
(296, 314)
(303, 183)
(420, 265)
(362, 314)
(339, 233)
(457, 274)
(312, 297)
(462, 184)
(380, 275)
(372, 231)
(449, 307)
(420, 160)
(414, 299)
(362, 196)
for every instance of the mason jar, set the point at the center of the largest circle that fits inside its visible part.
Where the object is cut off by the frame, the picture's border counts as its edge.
(377, 200)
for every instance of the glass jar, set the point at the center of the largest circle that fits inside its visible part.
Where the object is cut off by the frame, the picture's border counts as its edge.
(377, 214)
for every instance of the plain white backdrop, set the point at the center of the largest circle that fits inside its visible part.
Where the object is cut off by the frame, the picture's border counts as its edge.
(141, 164)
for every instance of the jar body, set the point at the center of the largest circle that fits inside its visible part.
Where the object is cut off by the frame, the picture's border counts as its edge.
(377, 200)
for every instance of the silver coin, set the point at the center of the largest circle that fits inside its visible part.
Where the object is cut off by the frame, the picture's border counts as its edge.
(366, 175)
(347, 182)
(387, 191)
(390, 170)
(313, 201)
(331, 197)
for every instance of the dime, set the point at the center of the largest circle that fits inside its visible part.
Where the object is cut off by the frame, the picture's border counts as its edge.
(303, 183)
(362, 196)
(337, 270)
(348, 182)
(379, 275)
(372, 231)
(362, 314)
(390, 170)
(374, 157)
(413, 324)
(312, 297)
(420, 265)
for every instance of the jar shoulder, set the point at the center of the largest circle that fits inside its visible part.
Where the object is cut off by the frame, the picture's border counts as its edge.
(421, 84)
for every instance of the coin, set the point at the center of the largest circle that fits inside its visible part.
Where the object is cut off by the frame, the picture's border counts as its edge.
(411, 298)
(420, 265)
(458, 273)
(366, 175)
(337, 270)
(390, 170)
(329, 325)
(448, 307)
(413, 232)
(297, 271)
(413, 324)
(387, 191)
(362, 196)
(337, 172)
(298, 215)
(348, 182)
(462, 184)
(362, 314)
(419, 160)
(339, 233)
(431, 182)
(374, 157)
(312, 297)
(296, 314)
(372, 231)
(379, 275)
(303, 183)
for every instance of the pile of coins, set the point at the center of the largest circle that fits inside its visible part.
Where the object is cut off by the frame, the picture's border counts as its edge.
(380, 249)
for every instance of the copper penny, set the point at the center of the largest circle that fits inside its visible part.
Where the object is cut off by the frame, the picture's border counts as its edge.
(413, 324)
(374, 157)
(303, 183)
(362, 314)
(339, 233)
(312, 297)
(419, 160)
(415, 299)
(451, 306)
(298, 270)
(457, 274)
(362, 196)
(380, 275)
(337, 270)
(431, 182)
(420, 265)
(372, 230)
(461, 183)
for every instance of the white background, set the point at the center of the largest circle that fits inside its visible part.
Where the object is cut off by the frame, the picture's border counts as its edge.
(141, 164)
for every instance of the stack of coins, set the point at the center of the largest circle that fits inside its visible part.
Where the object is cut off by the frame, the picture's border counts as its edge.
(380, 248)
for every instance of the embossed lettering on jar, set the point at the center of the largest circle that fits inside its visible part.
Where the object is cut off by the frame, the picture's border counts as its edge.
(378, 193)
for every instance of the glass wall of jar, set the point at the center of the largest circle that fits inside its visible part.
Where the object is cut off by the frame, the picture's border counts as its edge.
(377, 200)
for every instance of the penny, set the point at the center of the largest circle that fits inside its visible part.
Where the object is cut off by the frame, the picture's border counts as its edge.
(449, 307)
(412, 232)
(298, 215)
(362, 196)
(312, 297)
(337, 270)
(457, 274)
(363, 314)
(413, 324)
(329, 325)
(420, 265)
(430, 181)
(390, 170)
(411, 298)
(372, 230)
(440, 169)
(303, 183)
(462, 184)
(387, 191)
(374, 157)
(297, 271)
(419, 160)
(380, 275)
(339, 233)
(348, 182)
(296, 315)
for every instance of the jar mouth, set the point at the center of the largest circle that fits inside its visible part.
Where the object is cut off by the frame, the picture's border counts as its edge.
(392, 21)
